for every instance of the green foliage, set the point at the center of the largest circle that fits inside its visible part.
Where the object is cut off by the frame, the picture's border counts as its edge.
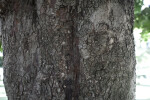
(142, 19)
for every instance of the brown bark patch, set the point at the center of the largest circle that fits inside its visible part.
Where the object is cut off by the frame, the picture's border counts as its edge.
(52, 3)
(62, 14)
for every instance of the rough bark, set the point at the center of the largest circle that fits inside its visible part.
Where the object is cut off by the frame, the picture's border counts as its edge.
(69, 50)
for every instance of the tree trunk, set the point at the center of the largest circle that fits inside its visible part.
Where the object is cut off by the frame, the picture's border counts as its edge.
(68, 50)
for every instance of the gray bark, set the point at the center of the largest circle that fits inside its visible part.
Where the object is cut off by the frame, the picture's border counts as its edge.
(68, 50)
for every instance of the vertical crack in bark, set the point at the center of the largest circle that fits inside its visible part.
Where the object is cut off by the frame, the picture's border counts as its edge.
(76, 64)
(34, 12)
(69, 63)
(73, 63)
(73, 66)
(76, 59)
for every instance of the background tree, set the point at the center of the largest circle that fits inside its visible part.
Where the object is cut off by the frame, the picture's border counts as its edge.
(142, 19)
(68, 49)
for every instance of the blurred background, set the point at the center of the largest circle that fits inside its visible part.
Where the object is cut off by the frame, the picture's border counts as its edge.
(142, 48)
